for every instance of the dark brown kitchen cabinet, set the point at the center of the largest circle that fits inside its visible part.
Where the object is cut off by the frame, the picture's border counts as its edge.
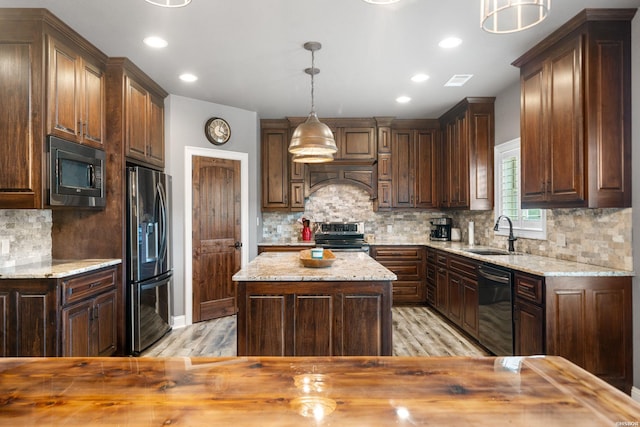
(27, 78)
(408, 263)
(74, 316)
(576, 114)
(588, 321)
(274, 151)
(442, 283)
(140, 107)
(314, 318)
(467, 155)
(584, 319)
(89, 314)
(431, 277)
(414, 168)
(356, 143)
(463, 293)
(75, 94)
(528, 314)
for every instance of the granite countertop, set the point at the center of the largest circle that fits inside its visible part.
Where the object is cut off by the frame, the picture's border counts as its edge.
(55, 268)
(533, 264)
(311, 243)
(286, 266)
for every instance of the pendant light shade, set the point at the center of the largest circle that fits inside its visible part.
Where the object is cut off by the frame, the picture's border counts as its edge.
(312, 141)
(509, 16)
(169, 3)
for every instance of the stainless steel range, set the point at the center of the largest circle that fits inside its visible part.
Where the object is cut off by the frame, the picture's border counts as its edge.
(341, 236)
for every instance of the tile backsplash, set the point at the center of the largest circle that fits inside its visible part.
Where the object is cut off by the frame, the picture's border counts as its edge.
(593, 236)
(25, 236)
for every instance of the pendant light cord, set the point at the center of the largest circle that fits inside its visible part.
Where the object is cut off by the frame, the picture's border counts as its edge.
(313, 72)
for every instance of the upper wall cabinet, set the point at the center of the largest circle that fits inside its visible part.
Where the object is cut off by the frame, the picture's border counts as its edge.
(467, 155)
(576, 114)
(140, 122)
(75, 94)
(41, 55)
(414, 164)
(275, 165)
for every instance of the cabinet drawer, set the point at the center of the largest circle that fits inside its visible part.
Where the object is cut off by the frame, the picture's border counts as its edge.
(405, 270)
(408, 292)
(441, 259)
(394, 252)
(529, 287)
(463, 266)
(80, 287)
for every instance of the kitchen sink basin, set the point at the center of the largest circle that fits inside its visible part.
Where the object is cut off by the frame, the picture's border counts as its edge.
(489, 251)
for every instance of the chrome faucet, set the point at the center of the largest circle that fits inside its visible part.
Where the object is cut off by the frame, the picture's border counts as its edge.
(512, 238)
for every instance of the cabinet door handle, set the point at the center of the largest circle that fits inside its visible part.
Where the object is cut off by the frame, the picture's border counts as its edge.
(79, 132)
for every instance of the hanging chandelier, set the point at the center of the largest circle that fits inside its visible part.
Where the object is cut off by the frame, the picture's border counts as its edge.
(312, 141)
(509, 16)
(169, 3)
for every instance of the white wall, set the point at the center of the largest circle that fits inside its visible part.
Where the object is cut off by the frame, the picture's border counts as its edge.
(507, 110)
(185, 119)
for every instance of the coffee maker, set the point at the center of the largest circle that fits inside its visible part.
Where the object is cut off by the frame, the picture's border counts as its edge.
(441, 229)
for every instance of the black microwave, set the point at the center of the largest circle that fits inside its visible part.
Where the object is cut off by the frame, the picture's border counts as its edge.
(76, 174)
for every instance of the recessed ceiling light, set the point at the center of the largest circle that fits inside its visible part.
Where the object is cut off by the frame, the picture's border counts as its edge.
(403, 99)
(381, 1)
(419, 78)
(188, 77)
(458, 79)
(156, 42)
(450, 42)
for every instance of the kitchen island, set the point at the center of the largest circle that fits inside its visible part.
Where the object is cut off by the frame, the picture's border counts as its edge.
(286, 309)
(308, 391)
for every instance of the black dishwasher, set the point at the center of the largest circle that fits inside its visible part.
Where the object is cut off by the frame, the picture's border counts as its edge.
(495, 310)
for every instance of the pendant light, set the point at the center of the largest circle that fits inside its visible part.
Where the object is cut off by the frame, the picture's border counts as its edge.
(312, 141)
(509, 16)
(169, 3)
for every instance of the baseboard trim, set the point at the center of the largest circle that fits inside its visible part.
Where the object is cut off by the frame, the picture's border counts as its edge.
(635, 393)
(178, 322)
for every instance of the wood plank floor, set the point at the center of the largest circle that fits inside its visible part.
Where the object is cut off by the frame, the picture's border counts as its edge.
(417, 331)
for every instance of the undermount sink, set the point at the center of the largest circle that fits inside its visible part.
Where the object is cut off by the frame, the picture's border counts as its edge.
(489, 251)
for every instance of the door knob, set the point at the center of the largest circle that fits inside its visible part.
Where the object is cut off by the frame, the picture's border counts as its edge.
(237, 245)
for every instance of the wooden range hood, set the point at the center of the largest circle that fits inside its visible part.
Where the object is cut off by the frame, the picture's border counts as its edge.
(362, 174)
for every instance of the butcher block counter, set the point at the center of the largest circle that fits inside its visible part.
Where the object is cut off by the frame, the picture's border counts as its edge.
(308, 391)
(286, 309)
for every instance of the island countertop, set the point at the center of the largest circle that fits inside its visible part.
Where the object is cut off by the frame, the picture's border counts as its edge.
(308, 391)
(287, 267)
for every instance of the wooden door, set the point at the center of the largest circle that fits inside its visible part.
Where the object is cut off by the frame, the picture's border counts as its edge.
(216, 236)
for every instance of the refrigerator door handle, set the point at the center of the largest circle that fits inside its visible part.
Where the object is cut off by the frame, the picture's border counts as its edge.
(162, 215)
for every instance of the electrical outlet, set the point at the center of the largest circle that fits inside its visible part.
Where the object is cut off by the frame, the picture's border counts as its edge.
(389, 228)
(279, 229)
(561, 239)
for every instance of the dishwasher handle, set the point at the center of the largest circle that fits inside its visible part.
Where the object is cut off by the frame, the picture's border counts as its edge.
(494, 275)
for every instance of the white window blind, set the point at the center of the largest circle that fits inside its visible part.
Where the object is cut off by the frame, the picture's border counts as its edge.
(530, 223)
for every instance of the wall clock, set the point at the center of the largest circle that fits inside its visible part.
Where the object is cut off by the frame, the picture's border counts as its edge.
(217, 130)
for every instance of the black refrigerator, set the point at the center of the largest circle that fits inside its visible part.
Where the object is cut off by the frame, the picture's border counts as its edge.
(149, 266)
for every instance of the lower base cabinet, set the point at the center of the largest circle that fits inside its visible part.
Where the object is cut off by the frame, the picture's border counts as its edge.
(408, 263)
(314, 319)
(73, 316)
(584, 319)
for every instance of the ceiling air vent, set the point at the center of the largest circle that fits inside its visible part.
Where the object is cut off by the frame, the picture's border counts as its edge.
(458, 79)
